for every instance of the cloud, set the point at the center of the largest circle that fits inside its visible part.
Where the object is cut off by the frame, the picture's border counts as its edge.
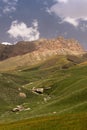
(9, 6)
(83, 27)
(71, 11)
(5, 1)
(21, 30)
(8, 9)
(71, 21)
(10, 1)
(48, 11)
(6, 43)
(61, 1)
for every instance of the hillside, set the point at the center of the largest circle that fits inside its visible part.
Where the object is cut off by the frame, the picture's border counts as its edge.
(45, 89)
(64, 97)
(7, 51)
(25, 54)
(41, 47)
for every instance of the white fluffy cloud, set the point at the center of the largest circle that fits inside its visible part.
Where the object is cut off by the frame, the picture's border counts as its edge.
(9, 6)
(71, 11)
(21, 30)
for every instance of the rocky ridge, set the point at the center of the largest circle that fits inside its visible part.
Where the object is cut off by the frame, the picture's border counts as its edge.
(42, 48)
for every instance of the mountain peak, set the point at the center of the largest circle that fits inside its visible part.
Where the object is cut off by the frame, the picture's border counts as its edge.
(45, 47)
(60, 45)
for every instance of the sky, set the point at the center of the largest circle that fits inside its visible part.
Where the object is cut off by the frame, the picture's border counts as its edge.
(30, 20)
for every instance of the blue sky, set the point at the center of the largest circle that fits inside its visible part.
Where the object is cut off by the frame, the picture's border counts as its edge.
(33, 19)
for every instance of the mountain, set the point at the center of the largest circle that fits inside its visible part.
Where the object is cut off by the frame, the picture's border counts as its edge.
(42, 47)
(43, 82)
(7, 51)
(25, 54)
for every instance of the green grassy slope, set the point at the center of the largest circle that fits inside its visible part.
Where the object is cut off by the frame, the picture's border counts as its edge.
(65, 122)
(62, 106)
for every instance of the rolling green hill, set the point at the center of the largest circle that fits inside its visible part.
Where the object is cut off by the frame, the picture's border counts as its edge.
(61, 106)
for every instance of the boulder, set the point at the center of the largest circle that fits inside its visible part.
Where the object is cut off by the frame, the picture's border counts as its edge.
(23, 95)
(18, 108)
(38, 90)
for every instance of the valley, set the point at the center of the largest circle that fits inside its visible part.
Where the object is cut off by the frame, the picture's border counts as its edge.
(49, 94)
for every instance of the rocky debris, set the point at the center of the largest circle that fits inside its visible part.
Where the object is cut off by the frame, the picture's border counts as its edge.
(54, 112)
(31, 83)
(27, 109)
(22, 95)
(20, 108)
(47, 98)
(47, 88)
(19, 89)
(38, 90)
